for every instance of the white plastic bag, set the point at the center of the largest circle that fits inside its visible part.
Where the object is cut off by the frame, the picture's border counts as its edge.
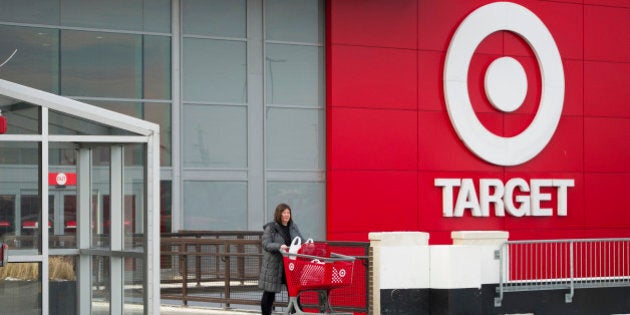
(296, 243)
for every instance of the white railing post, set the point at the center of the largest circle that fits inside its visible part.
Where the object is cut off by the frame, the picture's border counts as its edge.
(568, 298)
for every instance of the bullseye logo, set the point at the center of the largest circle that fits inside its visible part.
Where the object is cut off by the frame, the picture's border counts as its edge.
(505, 84)
(61, 179)
(291, 266)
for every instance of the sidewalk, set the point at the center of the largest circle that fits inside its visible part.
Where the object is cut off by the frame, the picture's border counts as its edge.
(193, 310)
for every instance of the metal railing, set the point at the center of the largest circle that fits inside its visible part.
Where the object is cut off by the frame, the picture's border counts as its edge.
(563, 264)
(221, 269)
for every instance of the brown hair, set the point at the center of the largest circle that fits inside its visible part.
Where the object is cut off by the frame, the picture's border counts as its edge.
(277, 215)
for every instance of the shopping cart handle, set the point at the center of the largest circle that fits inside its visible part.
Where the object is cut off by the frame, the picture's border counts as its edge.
(333, 257)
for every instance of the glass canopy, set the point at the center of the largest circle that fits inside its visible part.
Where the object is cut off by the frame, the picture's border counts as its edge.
(79, 207)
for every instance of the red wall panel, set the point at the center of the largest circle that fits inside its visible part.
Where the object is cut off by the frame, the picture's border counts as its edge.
(606, 35)
(610, 3)
(606, 91)
(373, 77)
(430, 73)
(363, 201)
(373, 139)
(389, 134)
(352, 23)
(605, 208)
(606, 145)
(574, 87)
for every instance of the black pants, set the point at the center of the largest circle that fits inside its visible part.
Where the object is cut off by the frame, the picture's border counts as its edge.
(266, 303)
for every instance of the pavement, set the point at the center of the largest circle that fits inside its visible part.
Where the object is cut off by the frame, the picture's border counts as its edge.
(192, 310)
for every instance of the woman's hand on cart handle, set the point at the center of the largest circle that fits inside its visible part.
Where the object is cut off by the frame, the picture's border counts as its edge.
(284, 248)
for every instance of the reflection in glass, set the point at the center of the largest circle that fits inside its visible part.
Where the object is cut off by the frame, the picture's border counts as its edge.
(134, 208)
(224, 18)
(133, 279)
(38, 12)
(101, 285)
(101, 64)
(294, 75)
(22, 118)
(294, 20)
(65, 124)
(100, 218)
(36, 61)
(159, 113)
(63, 285)
(307, 205)
(166, 220)
(219, 206)
(157, 16)
(215, 136)
(119, 14)
(20, 214)
(20, 284)
(295, 139)
(63, 191)
(214, 71)
(157, 67)
(7, 217)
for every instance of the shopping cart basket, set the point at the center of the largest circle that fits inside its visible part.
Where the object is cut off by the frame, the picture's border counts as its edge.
(315, 268)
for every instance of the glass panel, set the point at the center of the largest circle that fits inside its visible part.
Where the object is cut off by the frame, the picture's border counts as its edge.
(62, 153)
(157, 16)
(166, 211)
(225, 18)
(38, 12)
(101, 286)
(133, 294)
(21, 285)
(215, 136)
(118, 14)
(20, 202)
(134, 189)
(157, 67)
(22, 118)
(295, 139)
(218, 206)
(7, 218)
(100, 216)
(307, 202)
(101, 64)
(214, 71)
(62, 183)
(294, 75)
(159, 113)
(64, 124)
(36, 61)
(294, 20)
(63, 285)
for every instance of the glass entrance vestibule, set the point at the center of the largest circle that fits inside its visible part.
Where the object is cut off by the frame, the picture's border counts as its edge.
(79, 207)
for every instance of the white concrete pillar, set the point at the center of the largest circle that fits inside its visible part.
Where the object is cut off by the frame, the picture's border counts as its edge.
(399, 260)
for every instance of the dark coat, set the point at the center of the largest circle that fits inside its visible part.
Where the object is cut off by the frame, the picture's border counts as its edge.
(272, 266)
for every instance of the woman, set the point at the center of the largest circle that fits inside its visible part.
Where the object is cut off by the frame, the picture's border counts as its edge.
(277, 237)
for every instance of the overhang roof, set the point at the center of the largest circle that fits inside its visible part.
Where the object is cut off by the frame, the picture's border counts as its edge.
(74, 108)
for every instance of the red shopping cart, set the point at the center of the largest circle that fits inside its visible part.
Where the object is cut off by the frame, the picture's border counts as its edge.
(315, 268)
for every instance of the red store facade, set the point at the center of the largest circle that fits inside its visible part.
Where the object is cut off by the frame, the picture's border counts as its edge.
(420, 137)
